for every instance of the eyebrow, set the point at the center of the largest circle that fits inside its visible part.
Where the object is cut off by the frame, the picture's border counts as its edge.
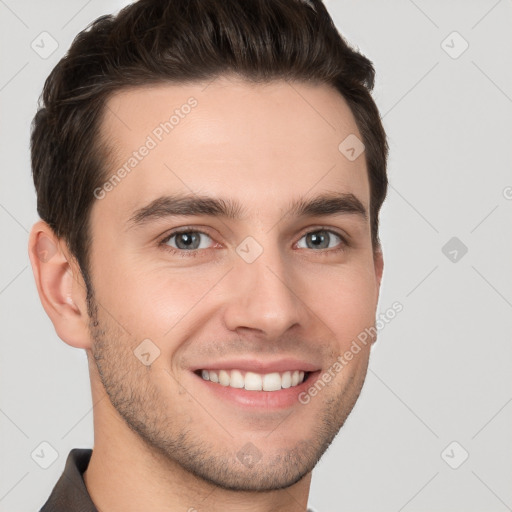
(196, 205)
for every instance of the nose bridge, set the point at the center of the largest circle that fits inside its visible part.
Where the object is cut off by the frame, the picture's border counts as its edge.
(263, 297)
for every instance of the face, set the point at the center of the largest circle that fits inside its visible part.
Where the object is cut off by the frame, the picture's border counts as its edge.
(231, 265)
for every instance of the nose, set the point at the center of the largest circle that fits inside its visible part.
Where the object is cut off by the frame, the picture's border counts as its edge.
(263, 297)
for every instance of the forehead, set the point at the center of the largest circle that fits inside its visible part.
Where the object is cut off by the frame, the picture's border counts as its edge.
(262, 143)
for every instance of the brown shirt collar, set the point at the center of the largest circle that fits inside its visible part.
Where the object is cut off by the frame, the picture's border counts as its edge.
(70, 493)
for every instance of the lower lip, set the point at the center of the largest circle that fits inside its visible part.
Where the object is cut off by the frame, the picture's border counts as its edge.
(264, 400)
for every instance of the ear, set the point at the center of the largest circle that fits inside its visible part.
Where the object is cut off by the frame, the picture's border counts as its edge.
(378, 262)
(60, 285)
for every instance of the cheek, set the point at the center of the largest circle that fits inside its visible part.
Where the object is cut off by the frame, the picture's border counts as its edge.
(148, 300)
(345, 300)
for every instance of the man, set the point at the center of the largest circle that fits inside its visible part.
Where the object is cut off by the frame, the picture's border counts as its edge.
(209, 177)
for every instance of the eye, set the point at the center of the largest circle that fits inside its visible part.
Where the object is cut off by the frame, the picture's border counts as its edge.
(186, 241)
(322, 239)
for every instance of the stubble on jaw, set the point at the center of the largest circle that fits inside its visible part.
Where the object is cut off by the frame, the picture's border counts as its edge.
(131, 389)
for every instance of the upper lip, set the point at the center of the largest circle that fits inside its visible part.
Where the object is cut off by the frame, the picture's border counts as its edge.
(259, 366)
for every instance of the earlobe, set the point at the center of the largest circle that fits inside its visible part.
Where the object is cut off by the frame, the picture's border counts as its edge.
(55, 273)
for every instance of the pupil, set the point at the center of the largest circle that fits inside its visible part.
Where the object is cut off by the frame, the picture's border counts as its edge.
(319, 240)
(186, 240)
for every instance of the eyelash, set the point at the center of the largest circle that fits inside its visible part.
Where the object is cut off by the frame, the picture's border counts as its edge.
(195, 252)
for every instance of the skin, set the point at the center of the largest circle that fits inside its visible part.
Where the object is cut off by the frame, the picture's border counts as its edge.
(160, 438)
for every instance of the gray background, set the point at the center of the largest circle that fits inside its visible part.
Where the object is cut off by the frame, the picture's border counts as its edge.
(440, 371)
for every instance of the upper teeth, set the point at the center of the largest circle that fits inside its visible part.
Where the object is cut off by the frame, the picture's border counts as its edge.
(254, 381)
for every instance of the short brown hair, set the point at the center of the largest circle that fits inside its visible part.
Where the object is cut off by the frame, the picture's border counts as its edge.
(180, 41)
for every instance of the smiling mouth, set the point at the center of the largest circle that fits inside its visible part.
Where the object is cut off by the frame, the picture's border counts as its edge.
(252, 381)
